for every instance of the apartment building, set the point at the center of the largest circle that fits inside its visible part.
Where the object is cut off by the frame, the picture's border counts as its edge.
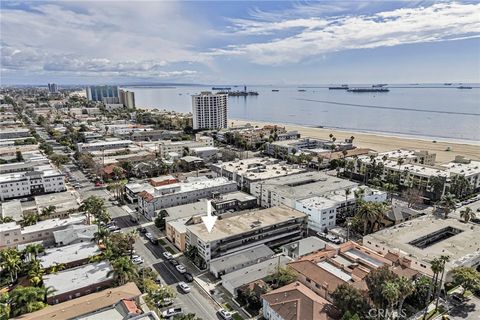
(103, 145)
(157, 198)
(272, 226)
(73, 283)
(127, 98)
(209, 111)
(71, 256)
(106, 94)
(289, 146)
(43, 179)
(248, 171)
(167, 146)
(323, 271)
(14, 133)
(12, 234)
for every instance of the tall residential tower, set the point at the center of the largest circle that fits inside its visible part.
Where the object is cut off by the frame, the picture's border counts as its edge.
(209, 110)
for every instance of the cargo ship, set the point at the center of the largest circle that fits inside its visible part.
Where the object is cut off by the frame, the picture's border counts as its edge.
(381, 89)
(275, 90)
(464, 87)
(342, 87)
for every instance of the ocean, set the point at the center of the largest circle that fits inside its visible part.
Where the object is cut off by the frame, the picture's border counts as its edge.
(414, 110)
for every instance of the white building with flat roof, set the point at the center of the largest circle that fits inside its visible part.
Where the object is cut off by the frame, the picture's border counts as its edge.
(209, 110)
(245, 172)
(103, 145)
(272, 226)
(12, 234)
(164, 147)
(150, 201)
(71, 255)
(43, 179)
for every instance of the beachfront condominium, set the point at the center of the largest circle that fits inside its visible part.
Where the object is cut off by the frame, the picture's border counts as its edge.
(127, 98)
(209, 110)
(106, 94)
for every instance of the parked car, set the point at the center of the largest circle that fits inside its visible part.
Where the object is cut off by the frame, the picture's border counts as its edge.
(227, 315)
(137, 260)
(188, 276)
(142, 230)
(174, 262)
(184, 287)
(168, 255)
(172, 312)
(149, 236)
(165, 302)
(181, 268)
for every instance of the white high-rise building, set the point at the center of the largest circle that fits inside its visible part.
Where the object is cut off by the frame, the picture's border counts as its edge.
(209, 110)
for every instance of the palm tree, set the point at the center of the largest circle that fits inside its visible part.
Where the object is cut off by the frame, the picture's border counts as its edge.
(123, 269)
(436, 267)
(33, 250)
(101, 235)
(390, 188)
(11, 262)
(467, 214)
(94, 206)
(48, 211)
(6, 219)
(35, 273)
(56, 268)
(29, 219)
(448, 202)
(5, 306)
(370, 213)
(348, 192)
(443, 260)
(391, 293)
(405, 288)
(26, 299)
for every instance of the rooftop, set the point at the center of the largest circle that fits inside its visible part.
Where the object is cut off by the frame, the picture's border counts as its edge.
(76, 278)
(67, 254)
(186, 210)
(254, 272)
(463, 247)
(75, 233)
(12, 209)
(240, 257)
(84, 305)
(305, 246)
(246, 222)
(54, 223)
(259, 168)
(191, 186)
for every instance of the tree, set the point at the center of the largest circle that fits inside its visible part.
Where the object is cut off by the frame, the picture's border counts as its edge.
(29, 219)
(123, 269)
(160, 220)
(6, 219)
(11, 261)
(371, 213)
(448, 202)
(26, 299)
(391, 294)
(436, 185)
(118, 173)
(35, 273)
(95, 206)
(412, 195)
(460, 186)
(443, 260)
(4, 306)
(33, 250)
(162, 293)
(405, 288)
(349, 299)
(188, 316)
(282, 276)
(349, 316)
(467, 214)
(467, 277)
(390, 188)
(375, 281)
(419, 298)
(58, 159)
(18, 156)
(101, 235)
(48, 211)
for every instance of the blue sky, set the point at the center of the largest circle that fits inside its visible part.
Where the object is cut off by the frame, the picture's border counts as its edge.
(230, 42)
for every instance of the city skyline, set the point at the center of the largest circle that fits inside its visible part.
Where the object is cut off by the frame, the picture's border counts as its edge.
(239, 42)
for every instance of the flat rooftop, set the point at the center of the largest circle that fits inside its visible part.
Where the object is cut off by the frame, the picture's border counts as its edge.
(306, 185)
(187, 210)
(67, 254)
(53, 223)
(247, 222)
(241, 257)
(12, 209)
(237, 195)
(462, 246)
(192, 186)
(76, 278)
(259, 168)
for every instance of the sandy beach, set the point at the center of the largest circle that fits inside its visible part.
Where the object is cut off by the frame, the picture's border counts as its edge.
(382, 143)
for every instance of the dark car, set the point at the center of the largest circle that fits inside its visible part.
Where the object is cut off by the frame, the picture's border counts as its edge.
(142, 230)
(188, 276)
(174, 262)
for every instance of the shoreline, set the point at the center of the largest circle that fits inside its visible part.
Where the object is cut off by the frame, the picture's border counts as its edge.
(382, 142)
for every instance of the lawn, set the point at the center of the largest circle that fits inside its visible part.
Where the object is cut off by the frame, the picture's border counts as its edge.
(169, 249)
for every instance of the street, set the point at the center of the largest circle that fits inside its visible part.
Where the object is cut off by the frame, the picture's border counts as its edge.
(468, 310)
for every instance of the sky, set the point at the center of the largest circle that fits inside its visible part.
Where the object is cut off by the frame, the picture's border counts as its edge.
(239, 42)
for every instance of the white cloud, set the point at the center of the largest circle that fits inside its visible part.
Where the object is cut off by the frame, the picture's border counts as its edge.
(316, 36)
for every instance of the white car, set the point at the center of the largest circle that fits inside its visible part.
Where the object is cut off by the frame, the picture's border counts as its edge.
(168, 255)
(181, 268)
(138, 260)
(149, 236)
(172, 312)
(185, 288)
(227, 315)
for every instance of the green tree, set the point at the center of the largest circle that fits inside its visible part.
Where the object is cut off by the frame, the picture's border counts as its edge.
(18, 156)
(123, 270)
(282, 276)
(95, 206)
(160, 220)
(33, 250)
(48, 211)
(26, 299)
(467, 277)
(391, 294)
(348, 299)
(59, 160)
(405, 288)
(11, 261)
(467, 214)
(29, 219)
(6, 219)
(162, 293)
(4, 306)
(35, 273)
(375, 281)
(371, 213)
(447, 203)
(101, 235)
(443, 260)
(188, 316)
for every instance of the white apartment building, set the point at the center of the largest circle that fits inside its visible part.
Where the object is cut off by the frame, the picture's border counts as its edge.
(165, 147)
(103, 145)
(14, 133)
(209, 110)
(321, 212)
(272, 226)
(12, 234)
(44, 179)
(161, 197)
